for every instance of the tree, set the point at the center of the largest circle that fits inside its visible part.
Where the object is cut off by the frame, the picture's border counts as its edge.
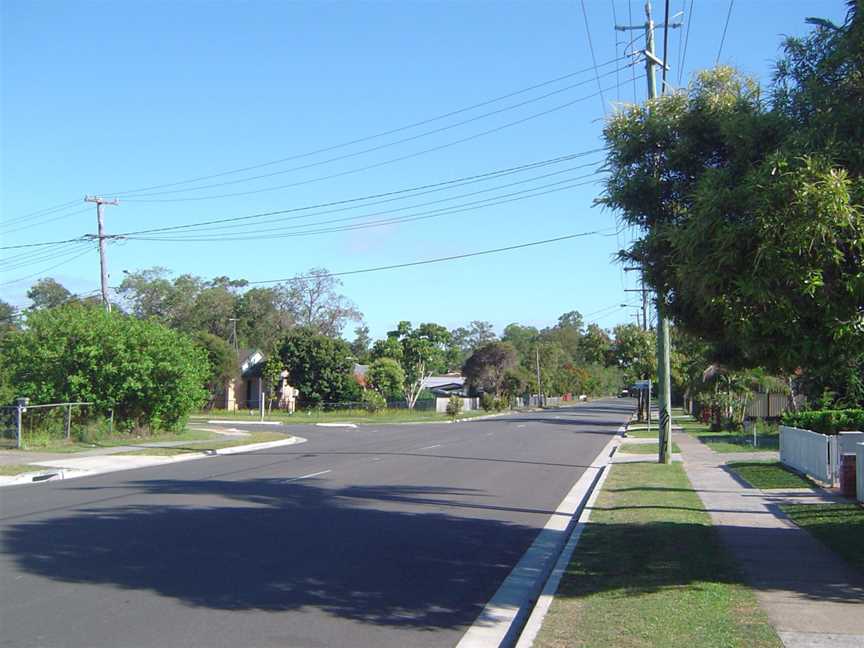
(48, 293)
(318, 366)
(423, 352)
(150, 376)
(8, 318)
(486, 370)
(752, 209)
(634, 352)
(466, 340)
(221, 360)
(317, 306)
(360, 347)
(596, 346)
(262, 318)
(521, 337)
(387, 377)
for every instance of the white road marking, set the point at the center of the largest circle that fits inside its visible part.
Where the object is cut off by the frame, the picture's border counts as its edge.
(521, 425)
(293, 479)
(437, 445)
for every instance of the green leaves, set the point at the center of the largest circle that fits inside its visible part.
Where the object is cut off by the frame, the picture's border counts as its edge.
(150, 376)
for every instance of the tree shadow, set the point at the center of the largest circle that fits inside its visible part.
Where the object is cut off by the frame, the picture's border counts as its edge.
(373, 555)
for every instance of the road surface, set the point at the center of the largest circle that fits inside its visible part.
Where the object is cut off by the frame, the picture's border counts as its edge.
(368, 537)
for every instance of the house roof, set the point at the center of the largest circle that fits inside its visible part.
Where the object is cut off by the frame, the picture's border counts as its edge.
(434, 382)
(251, 362)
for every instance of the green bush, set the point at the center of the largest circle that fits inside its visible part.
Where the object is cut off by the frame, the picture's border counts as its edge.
(487, 402)
(826, 421)
(454, 406)
(152, 377)
(373, 401)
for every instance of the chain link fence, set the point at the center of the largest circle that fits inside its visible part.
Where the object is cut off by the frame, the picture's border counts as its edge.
(24, 425)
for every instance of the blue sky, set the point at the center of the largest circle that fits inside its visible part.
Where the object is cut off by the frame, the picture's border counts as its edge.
(107, 97)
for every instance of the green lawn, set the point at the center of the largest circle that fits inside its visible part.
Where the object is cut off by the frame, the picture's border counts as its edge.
(643, 433)
(17, 469)
(645, 448)
(221, 442)
(307, 417)
(650, 571)
(61, 445)
(768, 475)
(839, 526)
(723, 441)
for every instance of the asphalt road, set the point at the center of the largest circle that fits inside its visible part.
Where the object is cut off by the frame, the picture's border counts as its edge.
(376, 536)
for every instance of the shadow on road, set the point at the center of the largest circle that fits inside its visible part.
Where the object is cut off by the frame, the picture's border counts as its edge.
(274, 546)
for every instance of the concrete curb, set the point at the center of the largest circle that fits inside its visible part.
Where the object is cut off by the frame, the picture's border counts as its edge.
(55, 474)
(502, 619)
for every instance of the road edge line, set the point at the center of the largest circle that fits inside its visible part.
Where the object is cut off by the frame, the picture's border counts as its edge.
(500, 622)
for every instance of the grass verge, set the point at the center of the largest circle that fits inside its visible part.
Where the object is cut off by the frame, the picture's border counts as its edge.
(310, 417)
(839, 526)
(18, 469)
(768, 474)
(72, 445)
(645, 448)
(254, 437)
(650, 571)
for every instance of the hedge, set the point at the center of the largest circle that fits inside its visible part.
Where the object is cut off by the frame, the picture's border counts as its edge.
(826, 421)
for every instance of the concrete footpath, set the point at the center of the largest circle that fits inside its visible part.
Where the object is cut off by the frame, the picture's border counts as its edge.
(812, 597)
(53, 466)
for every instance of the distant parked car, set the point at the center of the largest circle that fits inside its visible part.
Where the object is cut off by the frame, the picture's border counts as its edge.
(624, 393)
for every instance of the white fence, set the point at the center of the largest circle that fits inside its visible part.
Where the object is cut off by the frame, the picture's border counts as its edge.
(817, 455)
(807, 452)
(468, 404)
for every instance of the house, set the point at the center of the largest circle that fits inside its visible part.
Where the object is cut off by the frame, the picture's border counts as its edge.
(451, 384)
(246, 391)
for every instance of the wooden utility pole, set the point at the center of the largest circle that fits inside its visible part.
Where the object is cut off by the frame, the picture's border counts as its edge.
(103, 263)
(664, 386)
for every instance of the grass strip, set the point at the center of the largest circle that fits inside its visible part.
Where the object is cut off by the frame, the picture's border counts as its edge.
(645, 448)
(650, 571)
(254, 437)
(839, 526)
(18, 469)
(63, 446)
(766, 475)
(309, 417)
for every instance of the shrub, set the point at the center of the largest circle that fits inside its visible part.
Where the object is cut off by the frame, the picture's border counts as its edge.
(501, 404)
(152, 377)
(826, 421)
(373, 401)
(454, 406)
(487, 402)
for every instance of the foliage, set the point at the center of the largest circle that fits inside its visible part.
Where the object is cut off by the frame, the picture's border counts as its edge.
(373, 401)
(48, 293)
(466, 340)
(317, 305)
(752, 209)
(318, 366)
(487, 402)
(421, 351)
(634, 351)
(486, 369)
(361, 346)
(826, 421)
(387, 377)
(595, 346)
(221, 360)
(454, 406)
(150, 376)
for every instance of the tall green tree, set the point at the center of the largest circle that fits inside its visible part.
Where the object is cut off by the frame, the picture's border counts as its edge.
(487, 368)
(423, 352)
(318, 366)
(48, 293)
(752, 209)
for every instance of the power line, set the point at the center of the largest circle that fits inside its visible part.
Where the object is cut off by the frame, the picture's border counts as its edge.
(370, 149)
(44, 270)
(42, 244)
(686, 42)
(41, 212)
(44, 221)
(725, 27)
(593, 58)
(219, 223)
(365, 138)
(376, 165)
(489, 202)
(436, 260)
